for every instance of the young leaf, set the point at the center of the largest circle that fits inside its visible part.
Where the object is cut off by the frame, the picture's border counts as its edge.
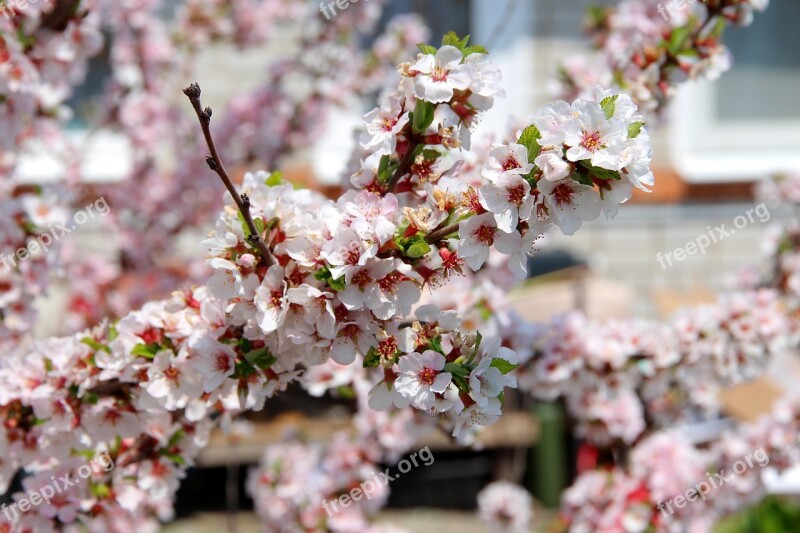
(423, 116)
(530, 140)
(427, 49)
(418, 248)
(372, 359)
(503, 366)
(609, 105)
(148, 351)
(600, 173)
(635, 129)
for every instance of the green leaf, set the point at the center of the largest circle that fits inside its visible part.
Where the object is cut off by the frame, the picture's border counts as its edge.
(386, 169)
(457, 370)
(147, 351)
(530, 140)
(427, 49)
(452, 39)
(112, 332)
(678, 38)
(609, 105)
(94, 345)
(260, 358)
(90, 398)
(503, 366)
(174, 457)
(600, 173)
(423, 116)
(418, 248)
(324, 274)
(475, 49)
(346, 392)
(100, 490)
(372, 359)
(635, 129)
(175, 438)
(274, 179)
(337, 284)
(435, 344)
(461, 383)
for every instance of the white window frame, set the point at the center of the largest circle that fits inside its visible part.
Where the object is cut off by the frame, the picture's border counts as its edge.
(705, 149)
(106, 156)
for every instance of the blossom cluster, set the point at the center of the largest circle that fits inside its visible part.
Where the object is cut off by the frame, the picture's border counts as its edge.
(666, 464)
(25, 213)
(295, 479)
(621, 378)
(648, 55)
(571, 163)
(48, 46)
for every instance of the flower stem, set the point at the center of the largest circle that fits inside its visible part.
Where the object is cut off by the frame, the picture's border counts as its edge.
(215, 163)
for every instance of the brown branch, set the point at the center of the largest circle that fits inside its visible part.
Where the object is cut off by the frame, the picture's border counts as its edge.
(215, 163)
(61, 14)
(441, 233)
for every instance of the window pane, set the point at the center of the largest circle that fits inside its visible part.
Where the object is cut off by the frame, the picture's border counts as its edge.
(765, 82)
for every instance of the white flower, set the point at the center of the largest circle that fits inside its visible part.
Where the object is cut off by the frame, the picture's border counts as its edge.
(509, 199)
(346, 252)
(506, 159)
(476, 416)
(383, 125)
(478, 234)
(506, 507)
(437, 77)
(570, 203)
(226, 281)
(172, 380)
(421, 378)
(271, 301)
(551, 123)
(594, 137)
(553, 166)
(384, 395)
(487, 382)
(383, 286)
(216, 362)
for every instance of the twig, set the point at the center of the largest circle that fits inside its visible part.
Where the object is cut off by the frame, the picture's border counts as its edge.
(440, 234)
(215, 163)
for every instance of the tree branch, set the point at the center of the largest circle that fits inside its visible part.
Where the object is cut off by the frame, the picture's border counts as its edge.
(215, 163)
(441, 233)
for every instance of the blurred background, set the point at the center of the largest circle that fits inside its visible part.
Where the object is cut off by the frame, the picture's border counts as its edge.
(716, 141)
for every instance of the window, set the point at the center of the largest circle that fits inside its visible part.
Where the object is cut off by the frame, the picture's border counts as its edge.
(746, 124)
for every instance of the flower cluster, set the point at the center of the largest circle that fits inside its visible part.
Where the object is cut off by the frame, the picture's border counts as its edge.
(571, 163)
(134, 391)
(665, 465)
(647, 49)
(505, 507)
(619, 378)
(44, 50)
(25, 266)
(296, 481)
